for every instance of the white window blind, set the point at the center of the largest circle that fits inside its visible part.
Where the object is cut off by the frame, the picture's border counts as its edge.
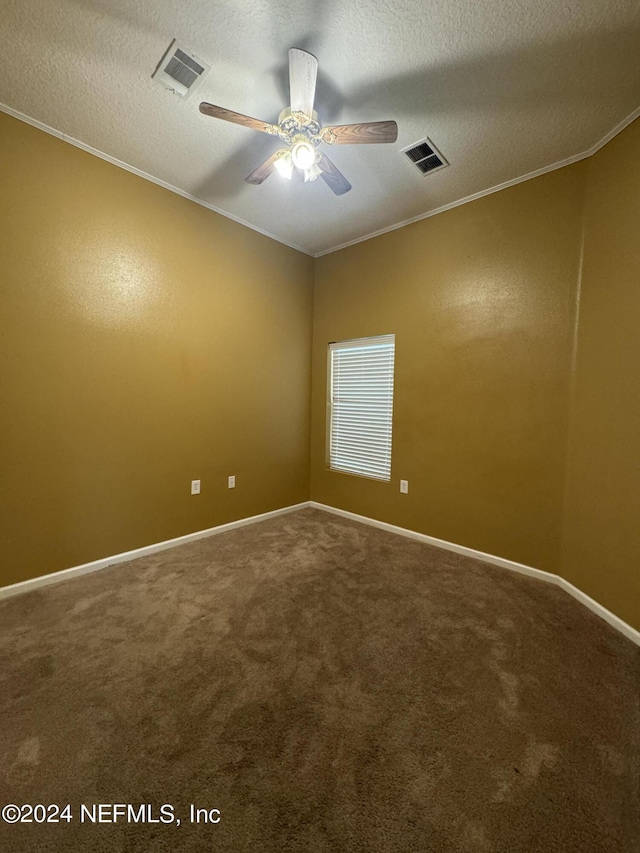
(361, 406)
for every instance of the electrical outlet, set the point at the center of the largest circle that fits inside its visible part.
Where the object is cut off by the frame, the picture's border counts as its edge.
(195, 487)
(232, 481)
(404, 487)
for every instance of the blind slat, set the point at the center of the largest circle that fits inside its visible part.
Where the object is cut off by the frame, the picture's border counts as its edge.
(361, 406)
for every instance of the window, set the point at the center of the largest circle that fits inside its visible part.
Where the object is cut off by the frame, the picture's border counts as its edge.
(361, 406)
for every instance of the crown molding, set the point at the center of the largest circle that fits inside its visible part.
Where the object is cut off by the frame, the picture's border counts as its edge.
(616, 130)
(536, 174)
(147, 177)
(450, 206)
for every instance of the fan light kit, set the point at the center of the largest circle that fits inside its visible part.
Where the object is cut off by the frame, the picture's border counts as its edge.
(299, 128)
(302, 153)
(284, 163)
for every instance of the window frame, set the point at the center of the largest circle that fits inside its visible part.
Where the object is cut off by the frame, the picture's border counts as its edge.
(351, 343)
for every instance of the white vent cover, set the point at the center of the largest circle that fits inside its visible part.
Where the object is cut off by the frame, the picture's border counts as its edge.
(180, 70)
(425, 156)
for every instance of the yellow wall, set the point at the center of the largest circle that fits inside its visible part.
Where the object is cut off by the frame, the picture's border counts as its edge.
(482, 302)
(601, 546)
(144, 342)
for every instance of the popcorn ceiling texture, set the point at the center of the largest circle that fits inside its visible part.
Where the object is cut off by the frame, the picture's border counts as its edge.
(329, 687)
(502, 89)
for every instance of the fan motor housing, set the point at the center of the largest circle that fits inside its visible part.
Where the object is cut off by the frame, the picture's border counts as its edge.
(291, 123)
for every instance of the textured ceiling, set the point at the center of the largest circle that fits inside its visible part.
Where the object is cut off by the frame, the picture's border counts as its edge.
(503, 88)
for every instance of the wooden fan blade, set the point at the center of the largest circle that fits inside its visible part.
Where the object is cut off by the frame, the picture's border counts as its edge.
(359, 134)
(264, 170)
(237, 118)
(303, 70)
(332, 177)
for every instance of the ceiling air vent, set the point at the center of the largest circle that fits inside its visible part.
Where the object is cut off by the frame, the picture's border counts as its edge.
(180, 70)
(425, 156)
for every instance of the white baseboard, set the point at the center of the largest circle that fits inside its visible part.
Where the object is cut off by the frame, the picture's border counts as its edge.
(599, 609)
(548, 577)
(96, 565)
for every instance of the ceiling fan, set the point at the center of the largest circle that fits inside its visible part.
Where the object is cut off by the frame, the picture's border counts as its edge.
(299, 128)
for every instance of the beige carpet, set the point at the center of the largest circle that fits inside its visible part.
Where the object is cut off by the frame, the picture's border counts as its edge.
(328, 687)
